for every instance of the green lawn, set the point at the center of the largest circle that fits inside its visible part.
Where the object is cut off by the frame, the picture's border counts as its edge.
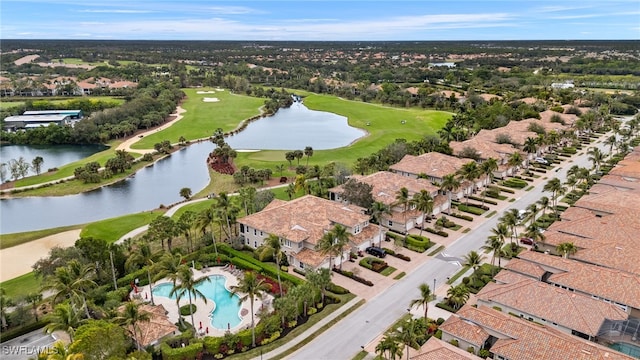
(384, 127)
(22, 285)
(113, 229)
(201, 118)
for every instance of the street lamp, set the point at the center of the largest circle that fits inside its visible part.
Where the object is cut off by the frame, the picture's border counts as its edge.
(434, 285)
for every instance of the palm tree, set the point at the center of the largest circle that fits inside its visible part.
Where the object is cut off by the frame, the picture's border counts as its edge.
(223, 202)
(487, 168)
(449, 184)
(424, 203)
(130, 318)
(64, 317)
(280, 168)
(596, 157)
(59, 351)
(209, 217)
(409, 334)
(391, 344)
(252, 288)
(544, 204)
(319, 279)
(494, 244)
(533, 210)
(510, 219)
(402, 199)
(190, 285)
(566, 249)
(457, 296)
(530, 146)
(274, 247)
(142, 257)
(341, 238)
(72, 282)
(611, 141)
(473, 260)
(470, 172)
(308, 151)
(426, 295)
(555, 187)
(168, 267)
(515, 160)
(378, 211)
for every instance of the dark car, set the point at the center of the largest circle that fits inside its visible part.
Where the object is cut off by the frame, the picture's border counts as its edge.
(376, 251)
(526, 241)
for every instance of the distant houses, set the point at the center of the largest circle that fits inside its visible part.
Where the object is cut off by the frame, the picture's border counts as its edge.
(34, 119)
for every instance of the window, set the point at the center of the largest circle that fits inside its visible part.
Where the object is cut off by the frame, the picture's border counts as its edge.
(261, 233)
(255, 232)
(255, 244)
(301, 265)
(287, 243)
(356, 229)
(242, 228)
(390, 223)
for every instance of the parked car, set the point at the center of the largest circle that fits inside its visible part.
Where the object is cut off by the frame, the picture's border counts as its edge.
(540, 160)
(522, 214)
(526, 241)
(376, 251)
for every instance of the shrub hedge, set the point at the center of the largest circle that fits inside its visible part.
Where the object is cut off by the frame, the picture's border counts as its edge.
(351, 275)
(471, 209)
(463, 217)
(399, 256)
(437, 232)
(266, 270)
(417, 240)
(187, 352)
(488, 201)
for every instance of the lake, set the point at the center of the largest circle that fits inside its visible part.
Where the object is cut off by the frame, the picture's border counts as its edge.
(289, 129)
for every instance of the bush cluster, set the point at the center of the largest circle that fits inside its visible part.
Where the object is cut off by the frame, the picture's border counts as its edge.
(437, 232)
(353, 276)
(471, 209)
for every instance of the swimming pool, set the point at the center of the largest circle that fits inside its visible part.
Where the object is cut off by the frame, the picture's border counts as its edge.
(227, 308)
(626, 348)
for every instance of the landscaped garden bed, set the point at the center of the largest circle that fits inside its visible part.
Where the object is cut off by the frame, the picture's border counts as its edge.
(437, 232)
(515, 183)
(353, 276)
(471, 209)
(395, 254)
(484, 200)
(374, 264)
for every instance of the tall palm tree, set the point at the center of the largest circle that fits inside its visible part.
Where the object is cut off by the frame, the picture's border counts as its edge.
(450, 184)
(487, 168)
(596, 157)
(341, 238)
(190, 285)
(554, 186)
(530, 146)
(533, 210)
(130, 318)
(470, 172)
(209, 217)
(473, 260)
(72, 282)
(426, 295)
(64, 317)
(319, 279)
(142, 256)
(223, 202)
(308, 151)
(510, 218)
(494, 244)
(566, 249)
(515, 160)
(424, 203)
(409, 334)
(274, 247)
(611, 141)
(403, 200)
(378, 211)
(325, 246)
(457, 296)
(252, 288)
(544, 204)
(168, 267)
(389, 343)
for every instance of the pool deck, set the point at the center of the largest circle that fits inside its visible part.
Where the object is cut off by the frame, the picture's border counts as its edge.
(203, 312)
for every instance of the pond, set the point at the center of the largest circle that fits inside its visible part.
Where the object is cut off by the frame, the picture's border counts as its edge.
(289, 129)
(52, 156)
(295, 128)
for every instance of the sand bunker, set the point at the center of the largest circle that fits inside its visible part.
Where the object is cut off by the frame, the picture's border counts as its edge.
(219, 89)
(205, 92)
(210, 99)
(247, 150)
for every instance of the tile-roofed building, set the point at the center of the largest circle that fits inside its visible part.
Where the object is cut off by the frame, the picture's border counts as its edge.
(534, 300)
(436, 349)
(486, 149)
(510, 337)
(610, 285)
(385, 185)
(301, 223)
(618, 181)
(157, 328)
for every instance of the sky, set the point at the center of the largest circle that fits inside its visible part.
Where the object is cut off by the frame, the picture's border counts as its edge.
(308, 20)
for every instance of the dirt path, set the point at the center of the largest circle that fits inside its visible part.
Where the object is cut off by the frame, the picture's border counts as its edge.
(17, 260)
(126, 145)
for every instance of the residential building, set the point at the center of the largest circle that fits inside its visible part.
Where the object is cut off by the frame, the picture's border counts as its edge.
(158, 327)
(508, 337)
(533, 300)
(609, 285)
(385, 185)
(24, 122)
(435, 166)
(436, 349)
(301, 223)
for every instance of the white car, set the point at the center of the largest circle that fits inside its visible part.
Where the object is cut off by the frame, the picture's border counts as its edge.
(540, 160)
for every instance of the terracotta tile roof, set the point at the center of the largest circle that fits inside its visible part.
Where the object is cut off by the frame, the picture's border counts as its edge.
(436, 349)
(619, 182)
(568, 119)
(525, 340)
(611, 284)
(386, 184)
(156, 328)
(432, 164)
(521, 267)
(516, 130)
(486, 149)
(488, 97)
(615, 200)
(528, 100)
(305, 218)
(310, 257)
(566, 308)
(576, 213)
(630, 169)
(612, 255)
(465, 330)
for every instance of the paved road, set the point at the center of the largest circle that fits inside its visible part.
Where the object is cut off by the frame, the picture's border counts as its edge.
(346, 339)
(26, 346)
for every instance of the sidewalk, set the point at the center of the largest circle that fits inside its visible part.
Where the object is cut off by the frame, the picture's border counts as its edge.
(310, 331)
